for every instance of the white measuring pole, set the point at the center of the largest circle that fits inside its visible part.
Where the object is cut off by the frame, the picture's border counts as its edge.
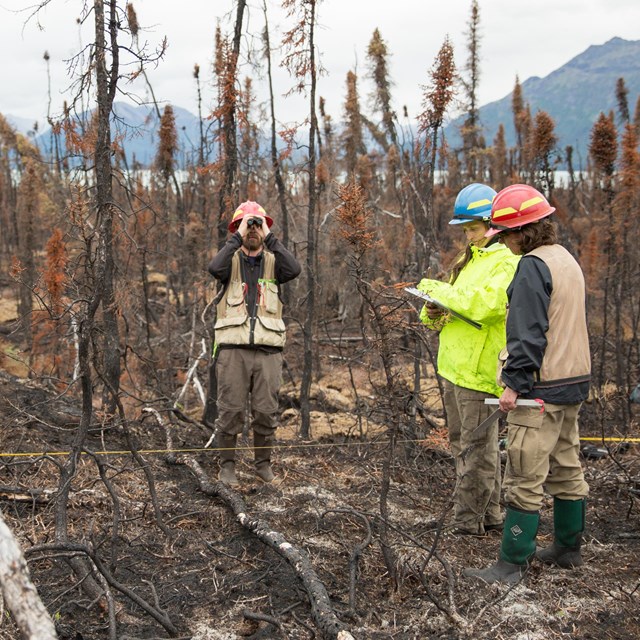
(519, 403)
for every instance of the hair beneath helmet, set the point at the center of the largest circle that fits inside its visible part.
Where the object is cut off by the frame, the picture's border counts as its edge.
(538, 234)
(248, 208)
(473, 203)
(516, 206)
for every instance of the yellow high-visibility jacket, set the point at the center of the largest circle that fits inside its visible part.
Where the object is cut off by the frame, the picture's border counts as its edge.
(467, 356)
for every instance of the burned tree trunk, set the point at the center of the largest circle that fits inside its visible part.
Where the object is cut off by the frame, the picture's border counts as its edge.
(106, 81)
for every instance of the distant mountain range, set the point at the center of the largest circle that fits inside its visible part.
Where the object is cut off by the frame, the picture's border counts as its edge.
(138, 127)
(573, 95)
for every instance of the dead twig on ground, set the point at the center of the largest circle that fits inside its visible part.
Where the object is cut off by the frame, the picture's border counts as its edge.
(73, 549)
(355, 554)
(263, 617)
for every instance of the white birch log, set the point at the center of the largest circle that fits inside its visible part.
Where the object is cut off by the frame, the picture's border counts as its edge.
(20, 594)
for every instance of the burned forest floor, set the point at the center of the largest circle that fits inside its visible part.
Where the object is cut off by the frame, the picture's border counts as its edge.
(190, 558)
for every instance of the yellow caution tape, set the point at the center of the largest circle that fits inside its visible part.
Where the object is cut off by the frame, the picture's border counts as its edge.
(317, 445)
(26, 454)
(601, 439)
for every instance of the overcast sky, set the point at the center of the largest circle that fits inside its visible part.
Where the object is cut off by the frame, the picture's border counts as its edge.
(523, 38)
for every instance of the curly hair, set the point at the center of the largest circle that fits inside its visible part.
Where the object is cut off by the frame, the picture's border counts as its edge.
(538, 234)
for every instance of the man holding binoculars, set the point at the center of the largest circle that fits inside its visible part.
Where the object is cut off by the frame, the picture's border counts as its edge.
(249, 335)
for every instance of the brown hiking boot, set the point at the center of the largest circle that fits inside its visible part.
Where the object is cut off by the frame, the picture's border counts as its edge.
(227, 473)
(265, 472)
(262, 450)
(227, 443)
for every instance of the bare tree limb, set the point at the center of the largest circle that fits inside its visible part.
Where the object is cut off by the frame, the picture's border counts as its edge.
(155, 611)
(355, 554)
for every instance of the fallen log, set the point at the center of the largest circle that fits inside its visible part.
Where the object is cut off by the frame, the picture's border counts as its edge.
(324, 617)
(20, 494)
(20, 594)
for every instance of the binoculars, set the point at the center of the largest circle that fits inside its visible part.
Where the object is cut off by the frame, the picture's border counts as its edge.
(254, 222)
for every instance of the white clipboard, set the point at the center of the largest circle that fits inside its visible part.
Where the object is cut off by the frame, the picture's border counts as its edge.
(437, 303)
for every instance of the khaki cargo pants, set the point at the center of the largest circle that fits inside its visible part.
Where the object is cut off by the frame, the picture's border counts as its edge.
(477, 458)
(241, 372)
(543, 452)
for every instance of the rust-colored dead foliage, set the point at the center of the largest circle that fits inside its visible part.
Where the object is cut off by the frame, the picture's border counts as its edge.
(543, 138)
(52, 353)
(437, 438)
(438, 96)
(628, 197)
(132, 20)
(226, 64)
(55, 276)
(168, 147)
(354, 218)
(80, 139)
(604, 146)
(297, 58)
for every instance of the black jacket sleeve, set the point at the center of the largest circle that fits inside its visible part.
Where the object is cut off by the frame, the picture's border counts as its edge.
(287, 267)
(220, 265)
(527, 323)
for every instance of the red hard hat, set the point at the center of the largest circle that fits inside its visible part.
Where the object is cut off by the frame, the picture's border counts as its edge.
(515, 206)
(248, 208)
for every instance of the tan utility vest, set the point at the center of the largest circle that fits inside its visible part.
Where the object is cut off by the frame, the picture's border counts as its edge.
(566, 358)
(234, 324)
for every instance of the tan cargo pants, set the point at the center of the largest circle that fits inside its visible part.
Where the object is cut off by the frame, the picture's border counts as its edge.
(543, 452)
(243, 371)
(477, 458)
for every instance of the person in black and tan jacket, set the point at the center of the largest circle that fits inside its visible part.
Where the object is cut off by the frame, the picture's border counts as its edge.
(249, 335)
(548, 360)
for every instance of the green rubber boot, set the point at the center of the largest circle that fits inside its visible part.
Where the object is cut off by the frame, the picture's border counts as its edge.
(568, 526)
(517, 549)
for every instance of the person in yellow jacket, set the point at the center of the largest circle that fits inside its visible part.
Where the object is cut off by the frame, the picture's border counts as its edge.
(468, 356)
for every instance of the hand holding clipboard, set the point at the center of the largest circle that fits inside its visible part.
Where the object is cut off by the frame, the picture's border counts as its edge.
(427, 298)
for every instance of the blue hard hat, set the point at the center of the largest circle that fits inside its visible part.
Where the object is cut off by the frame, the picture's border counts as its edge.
(473, 203)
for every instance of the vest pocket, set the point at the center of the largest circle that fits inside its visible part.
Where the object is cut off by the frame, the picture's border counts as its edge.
(235, 296)
(269, 332)
(272, 324)
(230, 321)
(232, 329)
(271, 299)
(233, 308)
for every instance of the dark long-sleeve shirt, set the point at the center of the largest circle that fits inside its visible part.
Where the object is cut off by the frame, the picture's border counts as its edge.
(287, 267)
